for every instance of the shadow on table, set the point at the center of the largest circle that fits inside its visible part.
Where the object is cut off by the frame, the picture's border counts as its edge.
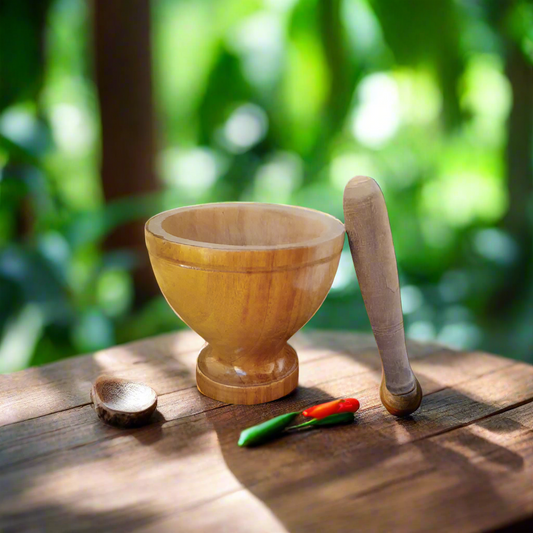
(344, 476)
(62, 518)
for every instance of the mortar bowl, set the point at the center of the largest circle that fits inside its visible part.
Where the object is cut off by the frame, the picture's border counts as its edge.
(246, 277)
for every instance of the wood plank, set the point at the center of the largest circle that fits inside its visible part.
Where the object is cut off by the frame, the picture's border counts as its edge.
(332, 376)
(167, 363)
(471, 439)
(316, 477)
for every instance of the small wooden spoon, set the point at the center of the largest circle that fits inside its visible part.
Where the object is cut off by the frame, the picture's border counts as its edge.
(123, 403)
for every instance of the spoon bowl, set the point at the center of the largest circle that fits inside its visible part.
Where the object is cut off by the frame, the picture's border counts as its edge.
(123, 403)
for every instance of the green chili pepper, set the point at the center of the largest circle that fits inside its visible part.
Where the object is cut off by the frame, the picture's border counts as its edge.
(267, 430)
(332, 420)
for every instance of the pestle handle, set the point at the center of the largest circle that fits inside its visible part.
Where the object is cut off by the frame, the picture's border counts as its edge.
(369, 234)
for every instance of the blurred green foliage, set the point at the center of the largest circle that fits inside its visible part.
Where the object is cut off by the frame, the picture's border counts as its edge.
(276, 101)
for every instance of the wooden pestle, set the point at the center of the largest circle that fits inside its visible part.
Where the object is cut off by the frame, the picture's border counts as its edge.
(369, 234)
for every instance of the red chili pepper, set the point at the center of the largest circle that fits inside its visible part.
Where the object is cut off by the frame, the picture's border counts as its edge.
(349, 405)
(322, 410)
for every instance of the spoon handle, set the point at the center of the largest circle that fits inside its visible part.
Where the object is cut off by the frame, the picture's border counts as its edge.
(369, 234)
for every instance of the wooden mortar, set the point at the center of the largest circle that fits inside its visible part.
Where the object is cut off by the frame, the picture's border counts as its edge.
(246, 277)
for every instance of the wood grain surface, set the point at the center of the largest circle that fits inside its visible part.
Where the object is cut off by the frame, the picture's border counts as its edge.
(462, 462)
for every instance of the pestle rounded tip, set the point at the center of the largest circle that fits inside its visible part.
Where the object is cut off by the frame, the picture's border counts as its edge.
(401, 405)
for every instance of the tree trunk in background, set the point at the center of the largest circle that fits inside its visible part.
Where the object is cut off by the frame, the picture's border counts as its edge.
(344, 72)
(520, 143)
(519, 163)
(124, 83)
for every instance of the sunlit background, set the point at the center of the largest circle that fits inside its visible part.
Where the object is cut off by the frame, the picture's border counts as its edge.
(113, 110)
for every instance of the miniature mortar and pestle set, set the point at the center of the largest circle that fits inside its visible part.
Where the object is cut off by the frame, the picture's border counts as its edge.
(247, 276)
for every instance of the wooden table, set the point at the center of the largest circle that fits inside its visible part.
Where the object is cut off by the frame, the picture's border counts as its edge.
(464, 462)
